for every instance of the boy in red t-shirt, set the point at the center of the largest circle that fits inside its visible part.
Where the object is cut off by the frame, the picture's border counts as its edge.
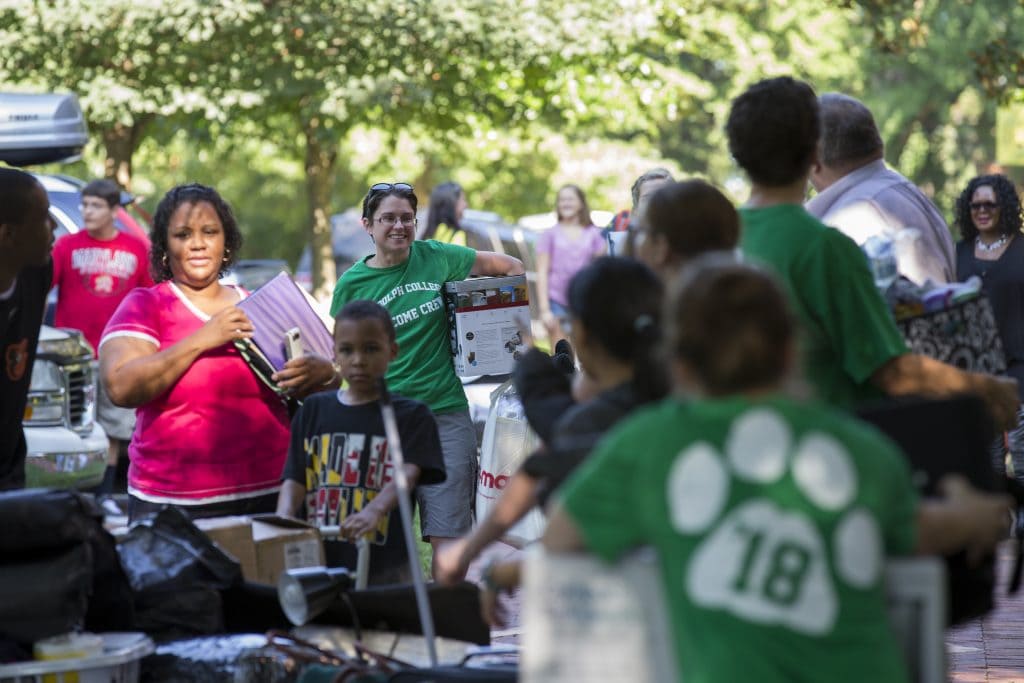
(93, 271)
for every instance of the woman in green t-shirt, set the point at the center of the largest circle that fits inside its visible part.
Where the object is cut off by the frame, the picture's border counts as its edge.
(406, 277)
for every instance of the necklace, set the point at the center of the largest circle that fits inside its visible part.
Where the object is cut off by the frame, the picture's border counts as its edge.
(981, 246)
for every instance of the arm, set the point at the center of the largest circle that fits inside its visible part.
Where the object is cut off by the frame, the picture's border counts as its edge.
(307, 375)
(562, 534)
(916, 374)
(964, 518)
(135, 372)
(365, 521)
(290, 499)
(497, 577)
(493, 263)
(516, 500)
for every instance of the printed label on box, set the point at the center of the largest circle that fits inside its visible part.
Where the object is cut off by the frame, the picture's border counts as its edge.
(304, 553)
(487, 318)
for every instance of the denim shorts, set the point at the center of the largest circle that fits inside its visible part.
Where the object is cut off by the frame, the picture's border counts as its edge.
(562, 313)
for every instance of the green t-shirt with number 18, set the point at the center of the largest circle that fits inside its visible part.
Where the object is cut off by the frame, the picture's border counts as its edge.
(412, 293)
(772, 520)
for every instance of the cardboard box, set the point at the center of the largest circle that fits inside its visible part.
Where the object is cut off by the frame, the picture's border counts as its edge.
(488, 318)
(234, 536)
(266, 545)
(283, 543)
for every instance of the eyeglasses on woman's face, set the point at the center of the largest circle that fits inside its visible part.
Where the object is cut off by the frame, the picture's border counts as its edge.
(984, 206)
(389, 220)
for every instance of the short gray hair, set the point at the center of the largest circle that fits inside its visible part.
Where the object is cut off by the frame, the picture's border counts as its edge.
(653, 174)
(848, 130)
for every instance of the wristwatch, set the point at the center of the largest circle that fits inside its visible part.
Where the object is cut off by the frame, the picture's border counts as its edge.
(335, 376)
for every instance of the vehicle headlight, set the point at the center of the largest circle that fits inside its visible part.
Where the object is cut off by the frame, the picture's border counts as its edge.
(46, 376)
(45, 405)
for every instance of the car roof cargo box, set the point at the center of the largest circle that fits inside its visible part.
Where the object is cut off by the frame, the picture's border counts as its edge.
(39, 129)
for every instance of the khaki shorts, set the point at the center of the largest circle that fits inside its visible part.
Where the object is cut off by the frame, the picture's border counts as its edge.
(117, 422)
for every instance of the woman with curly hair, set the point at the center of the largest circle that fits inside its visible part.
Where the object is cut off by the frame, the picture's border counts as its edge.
(210, 437)
(988, 215)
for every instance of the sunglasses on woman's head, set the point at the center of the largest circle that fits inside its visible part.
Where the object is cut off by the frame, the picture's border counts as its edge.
(385, 187)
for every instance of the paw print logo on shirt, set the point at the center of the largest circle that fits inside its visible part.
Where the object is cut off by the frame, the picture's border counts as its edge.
(761, 561)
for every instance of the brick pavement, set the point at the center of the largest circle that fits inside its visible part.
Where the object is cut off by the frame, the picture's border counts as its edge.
(991, 650)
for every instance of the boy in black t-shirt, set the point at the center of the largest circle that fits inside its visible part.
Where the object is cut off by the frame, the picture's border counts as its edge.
(339, 470)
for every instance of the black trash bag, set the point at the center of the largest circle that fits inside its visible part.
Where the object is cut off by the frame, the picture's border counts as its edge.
(177, 574)
(180, 613)
(45, 595)
(41, 526)
(45, 519)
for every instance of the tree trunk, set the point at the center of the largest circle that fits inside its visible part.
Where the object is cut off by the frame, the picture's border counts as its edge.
(119, 143)
(321, 159)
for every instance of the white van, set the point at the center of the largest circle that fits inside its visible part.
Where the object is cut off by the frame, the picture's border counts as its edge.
(66, 446)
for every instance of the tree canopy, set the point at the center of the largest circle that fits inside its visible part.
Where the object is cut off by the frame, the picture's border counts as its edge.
(292, 109)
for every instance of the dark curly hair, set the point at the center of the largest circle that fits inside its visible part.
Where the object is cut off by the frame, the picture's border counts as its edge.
(375, 197)
(192, 193)
(1006, 197)
(773, 130)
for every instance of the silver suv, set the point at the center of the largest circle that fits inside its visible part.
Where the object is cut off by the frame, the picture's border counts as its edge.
(66, 446)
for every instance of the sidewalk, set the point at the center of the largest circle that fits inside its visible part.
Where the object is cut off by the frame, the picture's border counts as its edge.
(991, 650)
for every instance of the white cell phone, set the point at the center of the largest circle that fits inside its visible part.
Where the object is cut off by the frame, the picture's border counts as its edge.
(293, 343)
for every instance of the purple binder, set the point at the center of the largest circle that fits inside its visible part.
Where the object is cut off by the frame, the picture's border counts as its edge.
(277, 307)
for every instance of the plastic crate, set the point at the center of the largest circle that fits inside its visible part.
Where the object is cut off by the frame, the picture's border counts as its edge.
(119, 663)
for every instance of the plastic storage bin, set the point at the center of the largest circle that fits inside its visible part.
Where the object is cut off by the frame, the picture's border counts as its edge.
(118, 663)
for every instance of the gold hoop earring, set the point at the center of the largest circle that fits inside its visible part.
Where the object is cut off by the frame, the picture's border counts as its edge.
(163, 260)
(227, 255)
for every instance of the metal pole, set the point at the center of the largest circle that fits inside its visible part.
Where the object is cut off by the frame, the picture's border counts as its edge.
(397, 459)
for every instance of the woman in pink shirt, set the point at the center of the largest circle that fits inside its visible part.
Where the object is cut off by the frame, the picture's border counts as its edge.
(572, 243)
(209, 437)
